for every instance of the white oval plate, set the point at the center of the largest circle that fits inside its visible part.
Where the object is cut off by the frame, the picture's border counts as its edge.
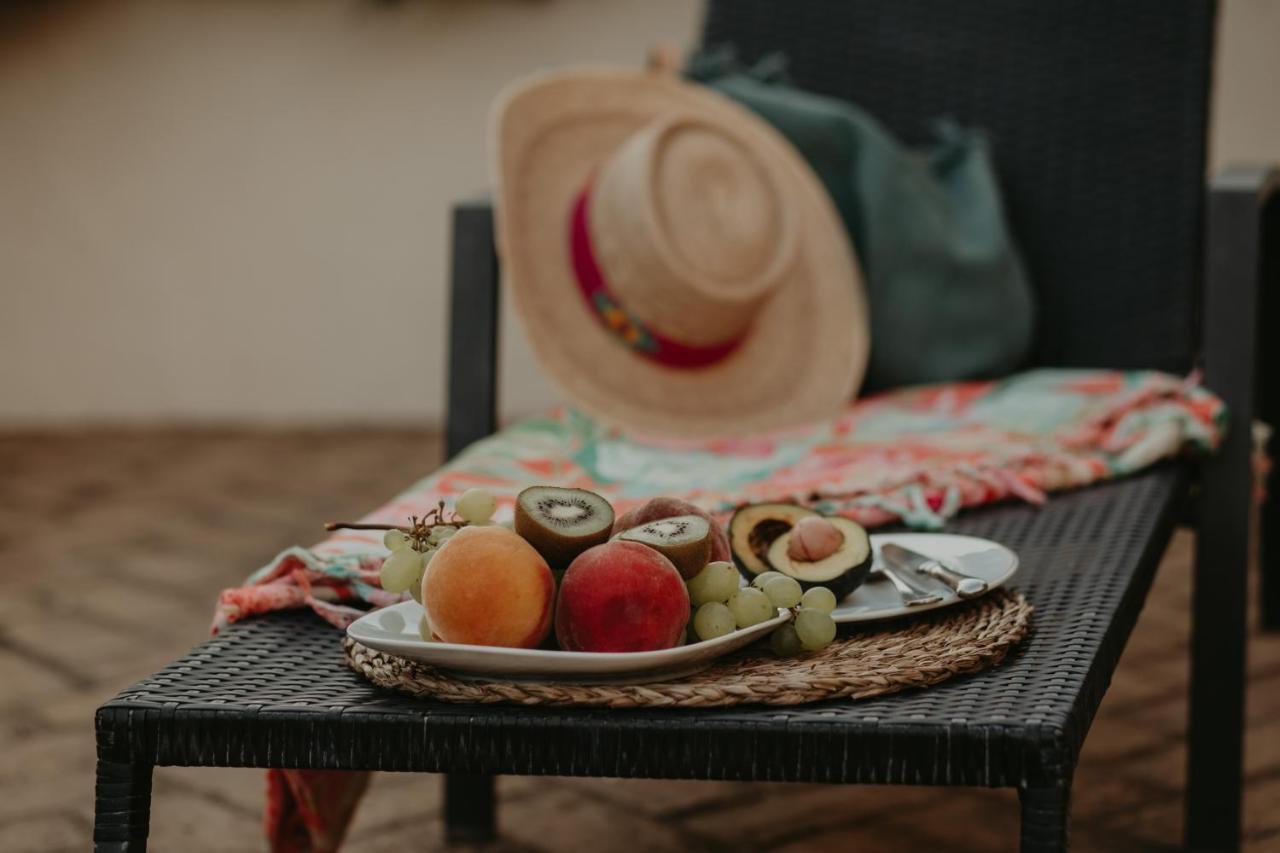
(394, 630)
(878, 599)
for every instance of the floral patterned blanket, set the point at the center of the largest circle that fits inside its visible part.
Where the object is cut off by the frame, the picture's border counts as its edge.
(915, 455)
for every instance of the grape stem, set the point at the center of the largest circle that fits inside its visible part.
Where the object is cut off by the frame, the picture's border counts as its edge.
(419, 528)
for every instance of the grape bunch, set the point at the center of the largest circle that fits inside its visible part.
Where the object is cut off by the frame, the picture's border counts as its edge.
(723, 607)
(412, 547)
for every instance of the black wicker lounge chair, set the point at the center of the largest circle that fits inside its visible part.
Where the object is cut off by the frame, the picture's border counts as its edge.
(1098, 115)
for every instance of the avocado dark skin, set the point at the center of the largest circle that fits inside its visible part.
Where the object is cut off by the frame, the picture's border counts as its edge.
(755, 529)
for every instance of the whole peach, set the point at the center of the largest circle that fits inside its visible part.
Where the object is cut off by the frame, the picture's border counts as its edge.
(488, 587)
(660, 508)
(621, 597)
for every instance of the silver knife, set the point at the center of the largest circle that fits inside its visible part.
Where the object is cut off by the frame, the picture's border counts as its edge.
(965, 586)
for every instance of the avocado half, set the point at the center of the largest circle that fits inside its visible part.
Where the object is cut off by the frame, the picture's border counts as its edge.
(842, 572)
(758, 538)
(754, 528)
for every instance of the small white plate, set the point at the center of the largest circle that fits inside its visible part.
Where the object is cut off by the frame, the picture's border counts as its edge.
(394, 630)
(877, 598)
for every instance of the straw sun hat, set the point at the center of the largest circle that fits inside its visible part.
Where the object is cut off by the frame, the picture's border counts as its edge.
(679, 269)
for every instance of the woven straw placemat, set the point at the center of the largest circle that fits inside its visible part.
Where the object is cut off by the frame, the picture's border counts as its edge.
(914, 652)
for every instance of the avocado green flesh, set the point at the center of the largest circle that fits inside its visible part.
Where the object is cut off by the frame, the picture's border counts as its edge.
(753, 529)
(841, 572)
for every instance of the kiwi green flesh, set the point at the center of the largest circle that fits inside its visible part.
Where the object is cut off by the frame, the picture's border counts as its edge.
(842, 572)
(754, 528)
(685, 540)
(562, 523)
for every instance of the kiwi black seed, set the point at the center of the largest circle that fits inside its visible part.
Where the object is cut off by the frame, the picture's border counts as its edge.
(685, 540)
(562, 523)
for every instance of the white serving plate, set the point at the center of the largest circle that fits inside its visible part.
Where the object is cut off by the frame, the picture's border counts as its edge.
(877, 598)
(394, 630)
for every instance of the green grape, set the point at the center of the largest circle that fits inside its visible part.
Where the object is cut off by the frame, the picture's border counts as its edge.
(784, 641)
(815, 629)
(783, 591)
(819, 598)
(716, 582)
(764, 577)
(395, 540)
(441, 533)
(401, 569)
(712, 620)
(476, 505)
(750, 607)
(415, 589)
(424, 628)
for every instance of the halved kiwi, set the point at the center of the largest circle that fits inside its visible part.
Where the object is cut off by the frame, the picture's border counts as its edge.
(685, 540)
(841, 572)
(562, 523)
(755, 527)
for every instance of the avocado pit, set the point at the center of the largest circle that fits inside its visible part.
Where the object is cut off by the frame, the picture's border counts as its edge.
(814, 539)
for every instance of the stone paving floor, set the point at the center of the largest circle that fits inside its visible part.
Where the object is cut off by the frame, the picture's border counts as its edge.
(114, 544)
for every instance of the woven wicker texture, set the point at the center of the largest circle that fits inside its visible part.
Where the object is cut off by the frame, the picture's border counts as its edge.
(276, 691)
(1096, 112)
(917, 652)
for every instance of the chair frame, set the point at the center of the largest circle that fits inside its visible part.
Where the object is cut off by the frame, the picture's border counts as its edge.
(145, 726)
(1241, 207)
(271, 692)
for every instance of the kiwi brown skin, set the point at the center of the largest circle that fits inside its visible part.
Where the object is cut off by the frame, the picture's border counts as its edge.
(558, 549)
(689, 558)
(659, 508)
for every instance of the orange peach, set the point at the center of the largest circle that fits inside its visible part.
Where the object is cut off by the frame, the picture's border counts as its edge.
(488, 587)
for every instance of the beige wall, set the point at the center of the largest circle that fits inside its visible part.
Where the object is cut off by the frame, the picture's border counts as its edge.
(1246, 108)
(236, 210)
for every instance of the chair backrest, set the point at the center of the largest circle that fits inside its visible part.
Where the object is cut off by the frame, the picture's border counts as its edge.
(1097, 115)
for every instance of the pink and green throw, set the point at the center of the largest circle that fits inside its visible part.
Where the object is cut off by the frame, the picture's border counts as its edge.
(916, 456)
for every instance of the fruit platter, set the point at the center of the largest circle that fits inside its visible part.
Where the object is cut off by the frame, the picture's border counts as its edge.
(567, 590)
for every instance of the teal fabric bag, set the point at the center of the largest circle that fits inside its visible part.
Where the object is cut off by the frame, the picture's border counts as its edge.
(948, 293)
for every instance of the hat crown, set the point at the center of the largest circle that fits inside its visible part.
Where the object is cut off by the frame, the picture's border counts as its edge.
(693, 230)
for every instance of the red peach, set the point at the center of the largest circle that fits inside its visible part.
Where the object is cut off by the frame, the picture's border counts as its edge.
(621, 597)
(660, 508)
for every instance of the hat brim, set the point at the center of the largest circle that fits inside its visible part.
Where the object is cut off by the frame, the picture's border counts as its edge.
(805, 353)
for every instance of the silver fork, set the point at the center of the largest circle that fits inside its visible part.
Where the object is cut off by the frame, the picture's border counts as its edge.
(913, 595)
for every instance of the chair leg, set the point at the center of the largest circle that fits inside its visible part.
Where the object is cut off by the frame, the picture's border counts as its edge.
(1269, 542)
(122, 809)
(1215, 735)
(469, 808)
(1046, 815)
